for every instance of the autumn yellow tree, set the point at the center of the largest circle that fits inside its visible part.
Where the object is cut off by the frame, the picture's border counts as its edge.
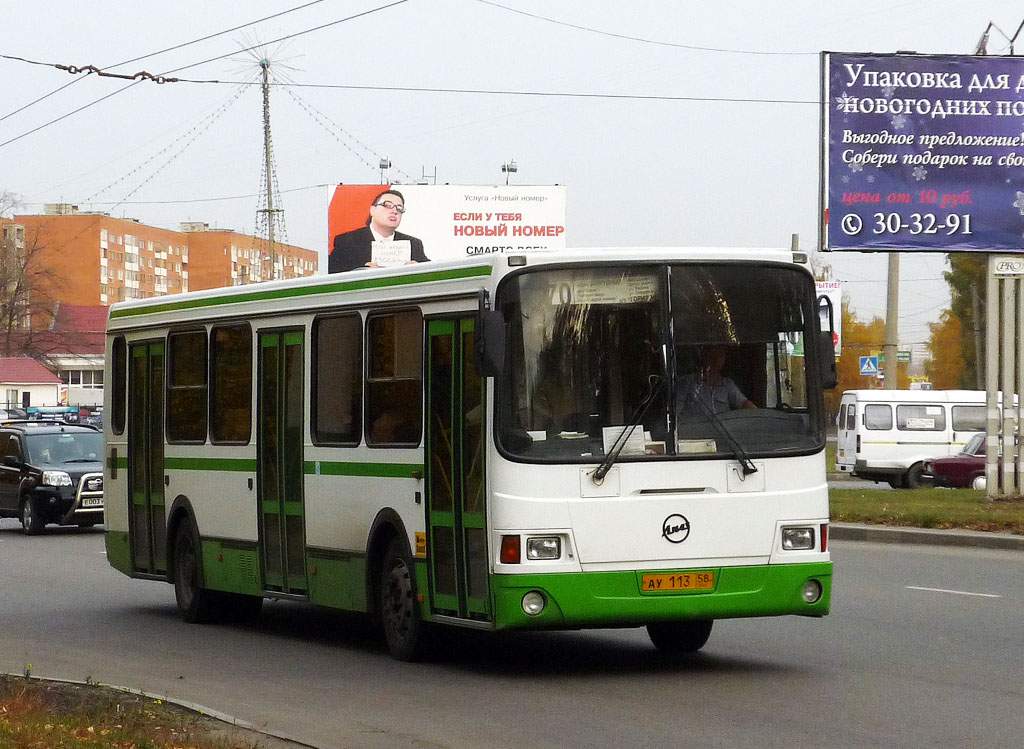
(945, 366)
(859, 339)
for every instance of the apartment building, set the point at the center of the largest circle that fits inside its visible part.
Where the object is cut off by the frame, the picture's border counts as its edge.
(96, 259)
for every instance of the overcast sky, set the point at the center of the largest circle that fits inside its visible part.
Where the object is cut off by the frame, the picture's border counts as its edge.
(697, 163)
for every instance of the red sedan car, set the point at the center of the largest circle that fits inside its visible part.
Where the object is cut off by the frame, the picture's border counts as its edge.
(966, 470)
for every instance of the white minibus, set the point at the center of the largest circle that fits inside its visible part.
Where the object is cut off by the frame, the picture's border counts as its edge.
(887, 435)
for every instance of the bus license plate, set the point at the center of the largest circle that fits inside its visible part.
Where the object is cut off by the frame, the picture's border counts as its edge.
(672, 582)
(92, 501)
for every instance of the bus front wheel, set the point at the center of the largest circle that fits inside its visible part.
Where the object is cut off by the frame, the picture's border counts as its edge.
(399, 613)
(196, 604)
(680, 637)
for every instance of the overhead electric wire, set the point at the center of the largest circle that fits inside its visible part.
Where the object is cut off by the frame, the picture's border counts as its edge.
(290, 36)
(144, 57)
(200, 200)
(68, 114)
(220, 57)
(511, 92)
(638, 38)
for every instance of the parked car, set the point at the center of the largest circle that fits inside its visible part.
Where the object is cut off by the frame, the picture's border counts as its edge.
(966, 470)
(51, 472)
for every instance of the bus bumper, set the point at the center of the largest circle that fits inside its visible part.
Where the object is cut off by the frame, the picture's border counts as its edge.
(615, 599)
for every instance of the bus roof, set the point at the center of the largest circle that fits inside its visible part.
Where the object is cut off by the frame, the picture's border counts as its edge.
(460, 276)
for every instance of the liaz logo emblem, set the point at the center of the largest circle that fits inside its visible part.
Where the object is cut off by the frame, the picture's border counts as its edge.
(675, 529)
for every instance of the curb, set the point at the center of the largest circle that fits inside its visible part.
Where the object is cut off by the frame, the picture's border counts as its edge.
(228, 720)
(938, 537)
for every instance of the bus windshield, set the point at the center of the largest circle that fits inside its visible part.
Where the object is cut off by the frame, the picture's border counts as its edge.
(658, 361)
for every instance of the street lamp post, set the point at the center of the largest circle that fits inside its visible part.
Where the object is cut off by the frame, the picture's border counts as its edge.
(509, 167)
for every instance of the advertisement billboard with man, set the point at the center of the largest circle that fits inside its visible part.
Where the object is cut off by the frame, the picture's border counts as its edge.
(378, 225)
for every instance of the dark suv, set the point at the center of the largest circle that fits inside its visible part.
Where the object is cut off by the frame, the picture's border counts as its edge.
(51, 472)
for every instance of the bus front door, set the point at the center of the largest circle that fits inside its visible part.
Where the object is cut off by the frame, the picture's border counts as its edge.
(147, 521)
(279, 455)
(456, 523)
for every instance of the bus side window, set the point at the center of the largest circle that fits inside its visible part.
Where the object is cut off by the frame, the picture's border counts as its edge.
(186, 387)
(118, 385)
(337, 412)
(394, 384)
(231, 384)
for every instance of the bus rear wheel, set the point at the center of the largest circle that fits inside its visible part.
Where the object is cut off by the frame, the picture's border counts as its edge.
(399, 613)
(680, 637)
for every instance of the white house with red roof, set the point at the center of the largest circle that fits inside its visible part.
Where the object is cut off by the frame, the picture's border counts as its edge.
(25, 382)
(76, 353)
(71, 347)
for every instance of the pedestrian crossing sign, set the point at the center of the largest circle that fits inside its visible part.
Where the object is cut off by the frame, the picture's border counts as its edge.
(869, 366)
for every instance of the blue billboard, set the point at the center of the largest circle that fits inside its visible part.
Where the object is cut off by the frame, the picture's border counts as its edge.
(922, 152)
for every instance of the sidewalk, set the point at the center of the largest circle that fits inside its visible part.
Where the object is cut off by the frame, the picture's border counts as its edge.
(902, 535)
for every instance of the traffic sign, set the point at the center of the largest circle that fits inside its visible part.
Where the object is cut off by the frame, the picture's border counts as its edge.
(869, 366)
(903, 357)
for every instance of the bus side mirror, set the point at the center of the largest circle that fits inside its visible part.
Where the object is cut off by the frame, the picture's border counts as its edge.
(826, 347)
(827, 354)
(490, 343)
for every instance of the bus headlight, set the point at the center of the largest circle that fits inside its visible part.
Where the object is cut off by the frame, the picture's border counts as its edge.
(811, 591)
(543, 547)
(797, 539)
(56, 478)
(534, 603)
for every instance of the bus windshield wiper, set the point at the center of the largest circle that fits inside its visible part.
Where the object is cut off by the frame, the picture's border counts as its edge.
(620, 442)
(734, 446)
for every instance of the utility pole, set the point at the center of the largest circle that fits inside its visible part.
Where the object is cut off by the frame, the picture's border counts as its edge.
(268, 164)
(892, 323)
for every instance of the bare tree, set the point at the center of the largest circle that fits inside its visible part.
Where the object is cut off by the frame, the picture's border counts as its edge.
(29, 288)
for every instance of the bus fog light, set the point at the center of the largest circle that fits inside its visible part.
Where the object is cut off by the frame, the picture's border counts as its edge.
(797, 539)
(811, 591)
(533, 603)
(543, 547)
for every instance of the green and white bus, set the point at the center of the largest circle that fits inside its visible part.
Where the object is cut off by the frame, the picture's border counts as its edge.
(498, 443)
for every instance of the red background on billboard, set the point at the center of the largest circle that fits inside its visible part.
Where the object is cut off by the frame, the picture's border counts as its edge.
(349, 208)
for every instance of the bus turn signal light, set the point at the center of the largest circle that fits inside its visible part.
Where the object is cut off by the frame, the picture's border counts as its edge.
(510, 550)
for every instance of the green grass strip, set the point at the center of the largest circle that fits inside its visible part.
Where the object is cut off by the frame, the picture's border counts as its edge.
(928, 508)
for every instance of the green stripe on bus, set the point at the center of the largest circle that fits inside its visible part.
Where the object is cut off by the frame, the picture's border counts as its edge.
(245, 465)
(588, 599)
(333, 288)
(379, 470)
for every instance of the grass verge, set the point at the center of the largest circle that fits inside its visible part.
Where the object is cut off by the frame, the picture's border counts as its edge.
(42, 714)
(927, 508)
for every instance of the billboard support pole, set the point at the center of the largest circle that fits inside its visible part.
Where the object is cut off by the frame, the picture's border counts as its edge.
(892, 304)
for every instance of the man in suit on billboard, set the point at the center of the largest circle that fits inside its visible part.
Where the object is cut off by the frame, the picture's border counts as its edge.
(354, 249)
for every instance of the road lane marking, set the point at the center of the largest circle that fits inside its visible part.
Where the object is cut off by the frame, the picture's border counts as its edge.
(954, 592)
